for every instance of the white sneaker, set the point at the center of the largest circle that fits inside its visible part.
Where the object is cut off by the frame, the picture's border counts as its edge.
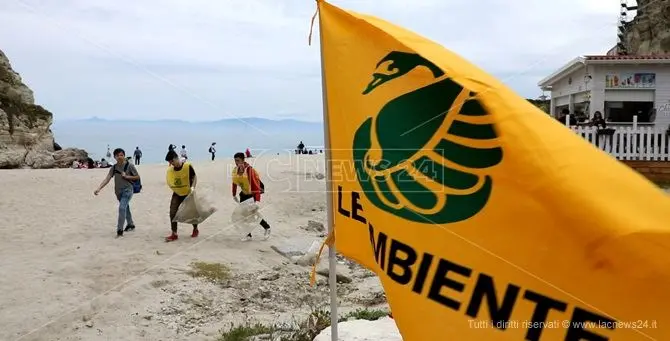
(245, 238)
(266, 235)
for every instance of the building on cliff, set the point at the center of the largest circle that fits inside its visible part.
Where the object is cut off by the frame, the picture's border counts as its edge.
(629, 87)
(633, 95)
(631, 81)
(26, 140)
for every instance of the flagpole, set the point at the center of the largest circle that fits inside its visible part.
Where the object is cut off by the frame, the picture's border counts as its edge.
(332, 260)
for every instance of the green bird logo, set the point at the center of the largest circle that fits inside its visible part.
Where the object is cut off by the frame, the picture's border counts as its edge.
(424, 156)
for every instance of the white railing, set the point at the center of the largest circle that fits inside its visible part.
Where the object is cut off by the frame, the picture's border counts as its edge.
(629, 143)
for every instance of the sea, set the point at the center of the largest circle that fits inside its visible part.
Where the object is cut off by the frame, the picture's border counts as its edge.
(261, 136)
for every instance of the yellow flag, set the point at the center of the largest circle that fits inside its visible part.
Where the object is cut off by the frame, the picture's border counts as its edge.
(484, 217)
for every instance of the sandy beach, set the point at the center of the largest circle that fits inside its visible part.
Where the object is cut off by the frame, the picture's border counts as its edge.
(66, 277)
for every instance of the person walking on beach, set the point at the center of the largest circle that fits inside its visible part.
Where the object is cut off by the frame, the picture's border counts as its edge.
(137, 155)
(181, 179)
(183, 152)
(109, 154)
(171, 148)
(212, 150)
(124, 174)
(250, 185)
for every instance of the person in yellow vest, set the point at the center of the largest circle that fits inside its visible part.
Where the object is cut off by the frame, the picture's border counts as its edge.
(250, 185)
(181, 179)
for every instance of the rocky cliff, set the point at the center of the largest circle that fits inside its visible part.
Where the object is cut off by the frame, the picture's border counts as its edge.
(649, 32)
(26, 140)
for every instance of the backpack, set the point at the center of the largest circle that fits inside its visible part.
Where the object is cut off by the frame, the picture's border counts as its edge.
(137, 185)
(262, 185)
(210, 149)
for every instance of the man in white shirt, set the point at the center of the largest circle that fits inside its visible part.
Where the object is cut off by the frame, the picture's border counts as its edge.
(183, 153)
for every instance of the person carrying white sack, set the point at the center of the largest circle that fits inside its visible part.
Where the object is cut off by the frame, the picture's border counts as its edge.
(181, 179)
(250, 185)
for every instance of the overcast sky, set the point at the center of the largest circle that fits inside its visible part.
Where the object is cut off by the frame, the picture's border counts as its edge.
(213, 59)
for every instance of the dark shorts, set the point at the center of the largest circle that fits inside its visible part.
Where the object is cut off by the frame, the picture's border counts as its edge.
(245, 197)
(174, 204)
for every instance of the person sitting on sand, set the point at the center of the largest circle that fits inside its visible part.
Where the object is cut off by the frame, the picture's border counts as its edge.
(124, 173)
(181, 179)
(104, 163)
(250, 185)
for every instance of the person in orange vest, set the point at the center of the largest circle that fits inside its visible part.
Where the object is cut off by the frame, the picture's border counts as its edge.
(250, 185)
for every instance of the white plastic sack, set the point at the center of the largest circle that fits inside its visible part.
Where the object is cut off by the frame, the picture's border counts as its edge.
(195, 209)
(314, 248)
(309, 257)
(246, 216)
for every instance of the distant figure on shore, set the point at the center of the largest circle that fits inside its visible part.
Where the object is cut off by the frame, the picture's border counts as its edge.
(137, 155)
(183, 153)
(212, 150)
(248, 153)
(109, 154)
(124, 174)
(104, 163)
(301, 148)
(171, 148)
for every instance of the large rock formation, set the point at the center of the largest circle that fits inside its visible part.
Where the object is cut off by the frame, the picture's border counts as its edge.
(26, 140)
(649, 32)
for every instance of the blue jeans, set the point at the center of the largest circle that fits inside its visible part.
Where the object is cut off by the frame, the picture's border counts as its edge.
(124, 209)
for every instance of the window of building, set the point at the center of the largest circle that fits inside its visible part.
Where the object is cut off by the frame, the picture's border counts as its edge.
(559, 108)
(624, 111)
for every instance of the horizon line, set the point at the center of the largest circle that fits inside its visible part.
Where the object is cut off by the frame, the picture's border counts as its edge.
(242, 120)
